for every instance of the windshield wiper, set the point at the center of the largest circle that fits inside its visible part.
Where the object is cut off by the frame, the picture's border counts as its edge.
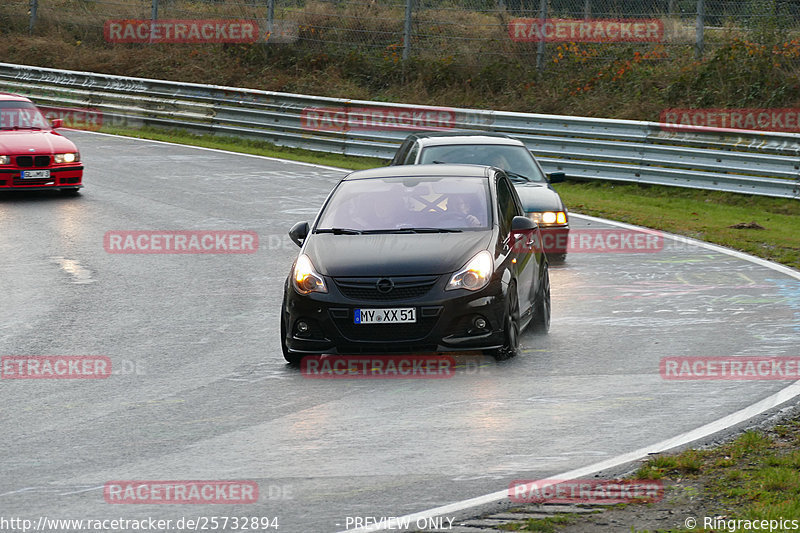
(411, 230)
(339, 231)
(435, 230)
(519, 177)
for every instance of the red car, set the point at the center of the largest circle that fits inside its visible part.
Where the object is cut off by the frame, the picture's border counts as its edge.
(33, 156)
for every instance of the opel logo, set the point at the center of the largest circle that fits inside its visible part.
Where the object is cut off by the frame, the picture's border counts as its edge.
(384, 285)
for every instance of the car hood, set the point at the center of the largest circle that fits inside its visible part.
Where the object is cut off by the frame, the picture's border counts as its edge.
(415, 254)
(43, 142)
(536, 197)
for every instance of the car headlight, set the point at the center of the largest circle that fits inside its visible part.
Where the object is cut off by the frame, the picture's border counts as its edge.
(305, 278)
(67, 158)
(549, 218)
(4, 160)
(475, 274)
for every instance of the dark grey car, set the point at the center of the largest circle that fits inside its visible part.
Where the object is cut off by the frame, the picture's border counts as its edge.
(539, 200)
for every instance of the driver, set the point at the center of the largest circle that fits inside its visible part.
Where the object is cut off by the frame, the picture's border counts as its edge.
(458, 205)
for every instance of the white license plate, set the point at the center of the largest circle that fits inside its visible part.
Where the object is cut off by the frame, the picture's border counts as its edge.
(385, 316)
(35, 174)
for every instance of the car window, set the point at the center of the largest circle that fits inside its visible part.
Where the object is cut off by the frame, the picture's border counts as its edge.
(398, 203)
(506, 205)
(516, 159)
(16, 114)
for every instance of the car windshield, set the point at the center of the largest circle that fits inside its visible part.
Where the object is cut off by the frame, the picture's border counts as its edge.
(403, 204)
(515, 159)
(17, 115)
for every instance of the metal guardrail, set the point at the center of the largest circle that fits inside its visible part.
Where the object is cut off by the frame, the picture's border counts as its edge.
(760, 163)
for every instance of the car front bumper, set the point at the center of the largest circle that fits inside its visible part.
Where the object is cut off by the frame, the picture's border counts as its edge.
(60, 178)
(445, 321)
(555, 240)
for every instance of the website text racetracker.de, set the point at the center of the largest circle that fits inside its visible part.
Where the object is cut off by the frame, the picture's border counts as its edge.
(199, 523)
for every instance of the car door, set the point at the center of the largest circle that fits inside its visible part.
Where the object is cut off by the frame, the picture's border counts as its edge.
(523, 262)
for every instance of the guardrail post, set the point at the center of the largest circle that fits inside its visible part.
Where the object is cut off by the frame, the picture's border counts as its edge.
(540, 48)
(407, 29)
(701, 15)
(34, 8)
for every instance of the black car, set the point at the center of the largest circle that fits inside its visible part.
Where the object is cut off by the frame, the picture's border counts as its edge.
(416, 259)
(539, 200)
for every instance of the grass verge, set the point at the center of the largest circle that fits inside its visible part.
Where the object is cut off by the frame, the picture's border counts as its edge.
(704, 215)
(749, 484)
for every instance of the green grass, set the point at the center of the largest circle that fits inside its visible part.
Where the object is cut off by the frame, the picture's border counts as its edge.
(704, 215)
(754, 477)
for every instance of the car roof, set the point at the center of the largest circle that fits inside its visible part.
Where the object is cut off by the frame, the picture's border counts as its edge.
(11, 97)
(465, 137)
(423, 171)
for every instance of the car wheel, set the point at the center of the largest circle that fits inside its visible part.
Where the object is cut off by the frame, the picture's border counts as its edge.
(541, 313)
(510, 328)
(73, 191)
(291, 357)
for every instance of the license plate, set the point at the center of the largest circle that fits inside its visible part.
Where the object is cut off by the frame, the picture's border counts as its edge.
(385, 316)
(35, 174)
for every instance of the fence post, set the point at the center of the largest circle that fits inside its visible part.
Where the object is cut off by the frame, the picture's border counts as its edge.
(701, 15)
(587, 9)
(540, 47)
(407, 30)
(32, 22)
(270, 17)
(155, 11)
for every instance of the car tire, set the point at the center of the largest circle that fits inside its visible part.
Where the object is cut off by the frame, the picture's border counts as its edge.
(542, 308)
(292, 358)
(511, 329)
(72, 191)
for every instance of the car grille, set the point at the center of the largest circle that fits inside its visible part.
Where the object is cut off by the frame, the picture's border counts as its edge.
(405, 288)
(385, 332)
(31, 161)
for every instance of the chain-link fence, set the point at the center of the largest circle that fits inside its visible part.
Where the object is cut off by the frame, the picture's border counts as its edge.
(545, 31)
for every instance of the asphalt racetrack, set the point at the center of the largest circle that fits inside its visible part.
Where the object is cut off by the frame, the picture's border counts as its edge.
(199, 390)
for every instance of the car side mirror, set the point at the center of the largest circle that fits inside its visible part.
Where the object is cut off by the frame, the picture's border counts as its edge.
(520, 223)
(57, 123)
(557, 177)
(524, 234)
(299, 232)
